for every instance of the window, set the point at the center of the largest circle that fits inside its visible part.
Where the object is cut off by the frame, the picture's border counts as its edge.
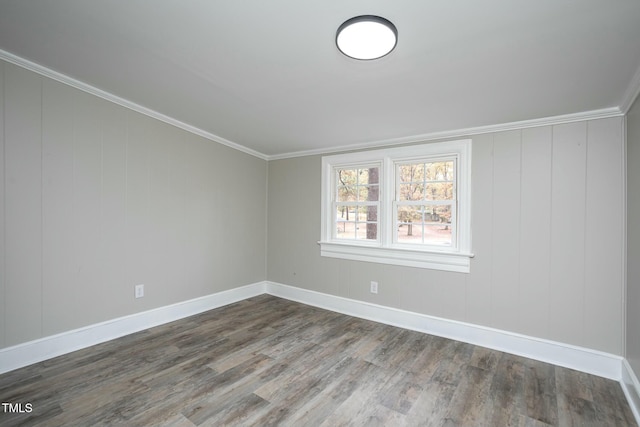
(357, 203)
(424, 205)
(406, 206)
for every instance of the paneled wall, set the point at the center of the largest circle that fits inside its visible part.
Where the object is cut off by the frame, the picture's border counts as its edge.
(97, 198)
(633, 237)
(547, 219)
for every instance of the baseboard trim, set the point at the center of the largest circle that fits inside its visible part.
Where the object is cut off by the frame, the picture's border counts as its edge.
(631, 387)
(45, 348)
(566, 355)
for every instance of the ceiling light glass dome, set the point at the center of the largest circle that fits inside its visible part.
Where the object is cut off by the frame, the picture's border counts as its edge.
(366, 37)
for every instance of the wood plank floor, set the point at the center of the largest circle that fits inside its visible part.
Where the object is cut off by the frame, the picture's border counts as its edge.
(267, 361)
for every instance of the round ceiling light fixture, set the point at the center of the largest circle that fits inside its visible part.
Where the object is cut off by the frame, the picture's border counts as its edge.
(366, 37)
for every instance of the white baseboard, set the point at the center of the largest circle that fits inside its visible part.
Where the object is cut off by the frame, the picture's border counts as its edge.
(566, 355)
(55, 345)
(579, 358)
(631, 387)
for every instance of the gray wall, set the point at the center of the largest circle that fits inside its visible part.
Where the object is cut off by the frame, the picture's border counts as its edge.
(547, 219)
(633, 237)
(96, 198)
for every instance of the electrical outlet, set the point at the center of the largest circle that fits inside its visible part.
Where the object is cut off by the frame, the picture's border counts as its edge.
(374, 287)
(139, 291)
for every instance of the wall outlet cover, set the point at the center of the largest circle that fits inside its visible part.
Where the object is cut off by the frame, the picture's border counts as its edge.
(139, 291)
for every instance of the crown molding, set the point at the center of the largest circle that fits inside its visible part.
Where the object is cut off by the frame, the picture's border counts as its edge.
(85, 87)
(630, 95)
(461, 133)
(632, 92)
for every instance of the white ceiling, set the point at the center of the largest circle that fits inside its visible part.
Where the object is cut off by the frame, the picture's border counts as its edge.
(266, 75)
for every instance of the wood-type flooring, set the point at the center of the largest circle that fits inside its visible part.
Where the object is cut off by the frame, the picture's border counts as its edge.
(267, 361)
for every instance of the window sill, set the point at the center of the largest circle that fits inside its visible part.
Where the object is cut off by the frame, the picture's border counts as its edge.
(435, 260)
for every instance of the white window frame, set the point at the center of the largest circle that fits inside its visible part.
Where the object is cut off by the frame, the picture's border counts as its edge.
(449, 258)
(334, 203)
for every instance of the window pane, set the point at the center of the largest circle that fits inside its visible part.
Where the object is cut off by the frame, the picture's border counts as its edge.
(362, 213)
(412, 172)
(438, 213)
(357, 184)
(345, 229)
(429, 224)
(368, 176)
(439, 171)
(410, 232)
(409, 214)
(423, 233)
(341, 213)
(346, 213)
(346, 194)
(369, 228)
(347, 177)
(413, 191)
(426, 181)
(437, 234)
(367, 231)
(372, 213)
(363, 176)
(357, 222)
(439, 191)
(346, 220)
(369, 193)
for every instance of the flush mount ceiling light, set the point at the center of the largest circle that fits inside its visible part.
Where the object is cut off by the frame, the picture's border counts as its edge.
(366, 37)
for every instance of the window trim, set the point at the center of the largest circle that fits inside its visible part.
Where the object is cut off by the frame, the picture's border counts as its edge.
(336, 203)
(395, 203)
(384, 250)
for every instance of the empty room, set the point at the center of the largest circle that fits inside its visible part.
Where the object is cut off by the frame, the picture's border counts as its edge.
(289, 213)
